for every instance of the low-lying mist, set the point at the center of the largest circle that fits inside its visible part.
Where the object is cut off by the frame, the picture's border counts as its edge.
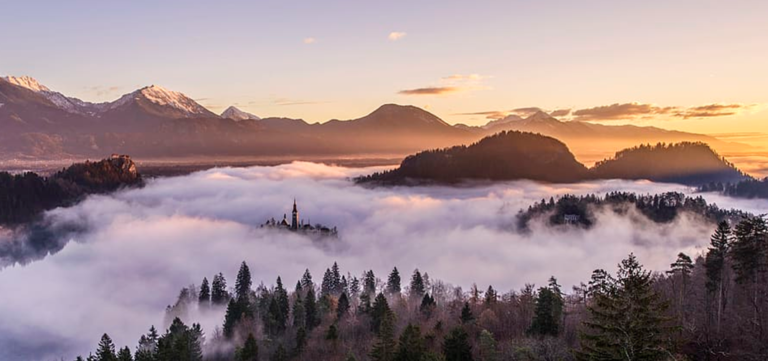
(127, 255)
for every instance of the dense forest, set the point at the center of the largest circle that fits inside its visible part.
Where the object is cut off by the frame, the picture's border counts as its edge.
(713, 307)
(503, 156)
(691, 163)
(515, 155)
(659, 208)
(749, 188)
(23, 197)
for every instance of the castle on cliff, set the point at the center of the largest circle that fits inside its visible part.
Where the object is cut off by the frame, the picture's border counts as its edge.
(298, 225)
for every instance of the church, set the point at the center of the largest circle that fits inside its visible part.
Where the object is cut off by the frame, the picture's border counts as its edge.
(298, 225)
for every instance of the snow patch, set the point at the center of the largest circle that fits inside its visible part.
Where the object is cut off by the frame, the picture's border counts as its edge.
(236, 114)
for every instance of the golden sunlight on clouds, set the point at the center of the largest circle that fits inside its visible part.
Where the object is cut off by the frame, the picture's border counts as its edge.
(396, 35)
(441, 90)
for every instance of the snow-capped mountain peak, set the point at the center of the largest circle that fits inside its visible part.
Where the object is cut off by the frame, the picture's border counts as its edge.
(27, 82)
(165, 97)
(236, 114)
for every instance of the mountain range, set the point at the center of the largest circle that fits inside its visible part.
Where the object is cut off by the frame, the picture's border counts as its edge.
(154, 122)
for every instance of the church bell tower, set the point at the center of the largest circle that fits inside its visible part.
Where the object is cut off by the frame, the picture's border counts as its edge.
(295, 217)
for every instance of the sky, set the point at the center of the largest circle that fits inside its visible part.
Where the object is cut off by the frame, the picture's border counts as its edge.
(691, 65)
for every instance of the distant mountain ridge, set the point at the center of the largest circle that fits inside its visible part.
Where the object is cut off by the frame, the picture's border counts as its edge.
(517, 155)
(153, 121)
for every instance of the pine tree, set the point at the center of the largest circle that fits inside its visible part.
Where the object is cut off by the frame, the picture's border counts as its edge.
(124, 354)
(427, 305)
(231, 318)
(249, 351)
(336, 285)
(333, 333)
(219, 295)
(466, 314)
(385, 347)
(299, 313)
(272, 318)
(342, 308)
(106, 349)
(369, 283)
(301, 340)
(456, 346)
(306, 281)
(326, 287)
(626, 321)
(750, 253)
(411, 346)
(682, 269)
(354, 287)
(600, 282)
(417, 288)
(714, 264)
(243, 284)
(205, 293)
(311, 317)
(546, 321)
(283, 304)
(393, 282)
(379, 311)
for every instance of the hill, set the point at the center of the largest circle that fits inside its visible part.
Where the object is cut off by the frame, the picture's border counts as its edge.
(23, 197)
(503, 156)
(686, 163)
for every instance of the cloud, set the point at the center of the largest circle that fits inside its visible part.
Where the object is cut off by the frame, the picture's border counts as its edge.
(442, 90)
(489, 114)
(396, 35)
(620, 111)
(309, 40)
(134, 250)
(711, 110)
(103, 90)
(461, 77)
(560, 113)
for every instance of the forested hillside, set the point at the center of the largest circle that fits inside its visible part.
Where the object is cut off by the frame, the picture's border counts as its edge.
(712, 307)
(24, 196)
(659, 208)
(749, 188)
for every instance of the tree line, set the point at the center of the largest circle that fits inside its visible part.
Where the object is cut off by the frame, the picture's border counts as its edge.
(712, 307)
(748, 188)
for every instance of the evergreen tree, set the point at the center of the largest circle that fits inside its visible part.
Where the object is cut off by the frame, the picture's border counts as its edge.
(386, 346)
(748, 249)
(243, 284)
(249, 351)
(417, 288)
(456, 346)
(232, 316)
(301, 340)
(205, 293)
(393, 282)
(466, 314)
(306, 281)
(369, 283)
(283, 304)
(411, 346)
(124, 354)
(326, 287)
(342, 308)
(219, 295)
(546, 322)
(299, 313)
(354, 287)
(491, 296)
(106, 349)
(147, 346)
(272, 318)
(487, 343)
(336, 286)
(379, 311)
(311, 317)
(714, 264)
(427, 305)
(626, 321)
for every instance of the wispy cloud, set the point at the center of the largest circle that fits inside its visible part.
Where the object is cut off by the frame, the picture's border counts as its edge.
(621, 111)
(560, 112)
(712, 110)
(442, 90)
(103, 90)
(396, 35)
(309, 40)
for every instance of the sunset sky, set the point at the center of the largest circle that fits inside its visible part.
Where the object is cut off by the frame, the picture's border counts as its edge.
(462, 60)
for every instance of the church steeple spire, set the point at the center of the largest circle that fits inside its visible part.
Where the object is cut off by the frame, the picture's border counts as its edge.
(295, 216)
